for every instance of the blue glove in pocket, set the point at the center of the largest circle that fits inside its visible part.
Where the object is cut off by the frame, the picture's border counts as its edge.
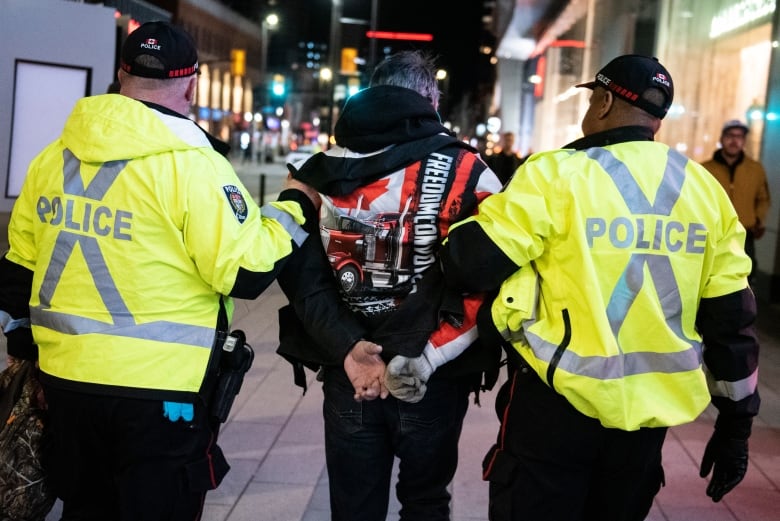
(174, 410)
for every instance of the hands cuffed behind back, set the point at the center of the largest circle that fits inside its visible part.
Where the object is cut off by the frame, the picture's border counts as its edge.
(406, 378)
(366, 369)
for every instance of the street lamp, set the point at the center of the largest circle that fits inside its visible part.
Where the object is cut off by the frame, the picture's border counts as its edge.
(333, 59)
(326, 84)
(444, 81)
(269, 23)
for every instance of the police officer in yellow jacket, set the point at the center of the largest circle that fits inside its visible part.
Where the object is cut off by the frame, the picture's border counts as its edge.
(128, 240)
(622, 297)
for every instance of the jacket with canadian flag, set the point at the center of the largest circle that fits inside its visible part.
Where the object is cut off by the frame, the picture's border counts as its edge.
(391, 187)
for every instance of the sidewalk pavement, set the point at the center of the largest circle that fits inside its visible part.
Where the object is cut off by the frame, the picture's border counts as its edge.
(274, 443)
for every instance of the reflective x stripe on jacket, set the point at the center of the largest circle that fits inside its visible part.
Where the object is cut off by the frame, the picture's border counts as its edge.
(134, 239)
(617, 235)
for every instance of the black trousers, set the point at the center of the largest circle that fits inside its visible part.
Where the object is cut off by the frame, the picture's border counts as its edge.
(363, 438)
(552, 463)
(120, 459)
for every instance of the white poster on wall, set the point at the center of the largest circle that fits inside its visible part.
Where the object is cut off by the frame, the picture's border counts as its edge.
(44, 96)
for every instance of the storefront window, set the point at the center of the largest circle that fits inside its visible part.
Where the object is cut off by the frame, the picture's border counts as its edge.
(718, 55)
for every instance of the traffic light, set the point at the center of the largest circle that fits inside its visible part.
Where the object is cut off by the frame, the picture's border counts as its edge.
(278, 87)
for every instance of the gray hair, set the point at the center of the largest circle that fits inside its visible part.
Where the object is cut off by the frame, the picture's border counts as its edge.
(410, 69)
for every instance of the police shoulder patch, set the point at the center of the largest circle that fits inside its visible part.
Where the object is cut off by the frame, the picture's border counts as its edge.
(237, 202)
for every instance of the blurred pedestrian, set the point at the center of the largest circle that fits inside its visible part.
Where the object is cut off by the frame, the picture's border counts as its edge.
(391, 187)
(744, 179)
(128, 240)
(620, 269)
(505, 159)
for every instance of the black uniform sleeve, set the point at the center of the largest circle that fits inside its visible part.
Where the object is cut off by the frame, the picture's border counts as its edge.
(474, 272)
(249, 284)
(15, 288)
(731, 346)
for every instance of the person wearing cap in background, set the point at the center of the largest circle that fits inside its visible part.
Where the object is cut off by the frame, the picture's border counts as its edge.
(624, 307)
(128, 240)
(744, 179)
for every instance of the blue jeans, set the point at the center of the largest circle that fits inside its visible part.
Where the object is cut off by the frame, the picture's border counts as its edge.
(363, 438)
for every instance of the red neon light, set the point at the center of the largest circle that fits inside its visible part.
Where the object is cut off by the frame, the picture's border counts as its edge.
(132, 25)
(579, 44)
(389, 35)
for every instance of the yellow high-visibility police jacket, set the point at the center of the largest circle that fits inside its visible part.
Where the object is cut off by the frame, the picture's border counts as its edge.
(136, 229)
(616, 245)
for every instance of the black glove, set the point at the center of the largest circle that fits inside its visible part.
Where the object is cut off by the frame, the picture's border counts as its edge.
(727, 450)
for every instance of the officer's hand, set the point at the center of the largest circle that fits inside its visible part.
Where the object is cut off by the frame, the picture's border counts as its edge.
(310, 192)
(174, 410)
(729, 456)
(406, 378)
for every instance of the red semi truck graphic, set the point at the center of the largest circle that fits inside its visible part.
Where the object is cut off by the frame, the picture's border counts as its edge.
(370, 253)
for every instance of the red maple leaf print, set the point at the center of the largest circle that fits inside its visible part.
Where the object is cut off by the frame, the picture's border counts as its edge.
(369, 193)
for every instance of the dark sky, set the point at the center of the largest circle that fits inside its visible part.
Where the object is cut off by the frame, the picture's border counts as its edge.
(457, 30)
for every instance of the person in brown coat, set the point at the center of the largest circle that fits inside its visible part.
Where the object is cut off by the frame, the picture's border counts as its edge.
(744, 179)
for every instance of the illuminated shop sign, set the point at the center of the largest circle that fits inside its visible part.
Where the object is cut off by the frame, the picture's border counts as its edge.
(739, 15)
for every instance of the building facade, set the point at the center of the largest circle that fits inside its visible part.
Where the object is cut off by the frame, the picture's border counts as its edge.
(230, 51)
(722, 54)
